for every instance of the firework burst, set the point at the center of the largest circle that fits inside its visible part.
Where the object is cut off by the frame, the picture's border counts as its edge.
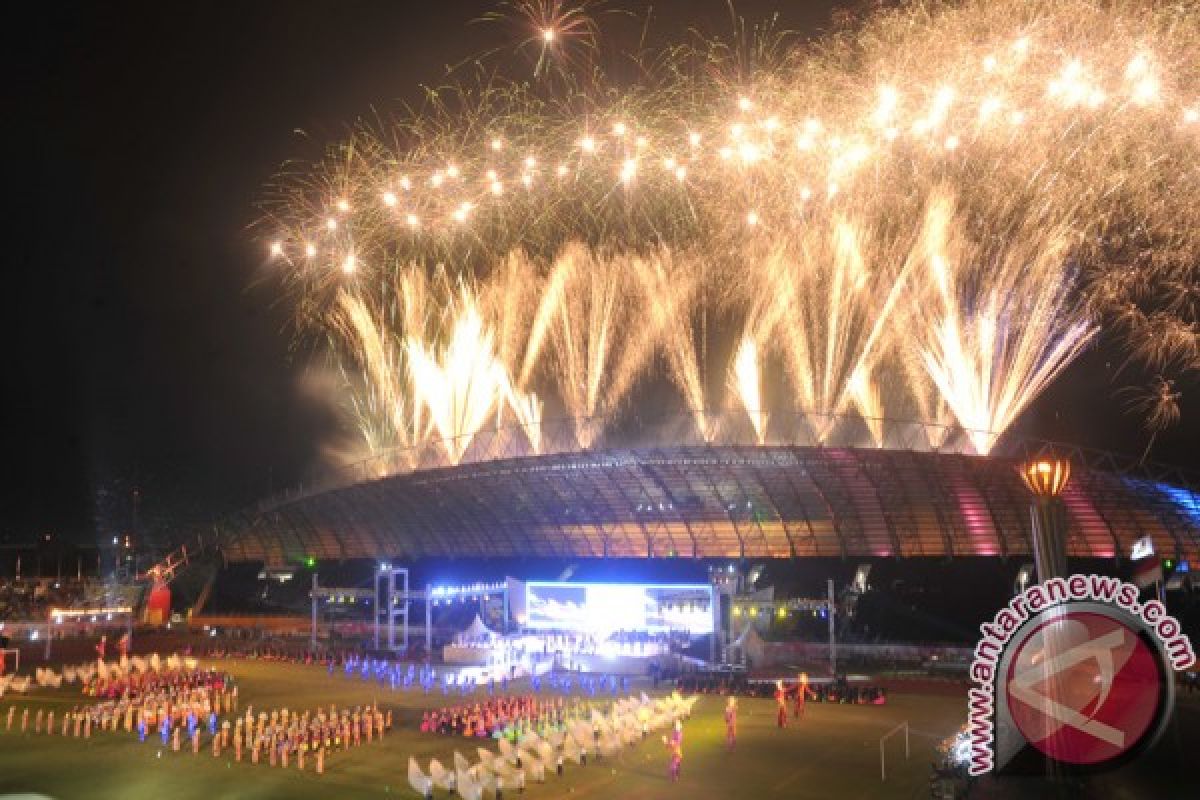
(556, 30)
(1158, 406)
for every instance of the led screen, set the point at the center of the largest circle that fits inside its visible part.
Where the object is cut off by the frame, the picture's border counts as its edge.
(603, 608)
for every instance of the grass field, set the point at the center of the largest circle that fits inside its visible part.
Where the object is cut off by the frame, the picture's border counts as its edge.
(833, 752)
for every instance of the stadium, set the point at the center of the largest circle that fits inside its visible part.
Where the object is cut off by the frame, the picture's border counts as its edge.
(662, 496)
(874, 563)
(944, 534)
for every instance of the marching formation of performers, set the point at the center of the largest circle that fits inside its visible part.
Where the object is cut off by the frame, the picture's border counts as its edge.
(164, 702)
(394, 674)
(837, 691)
(78, 722)
(167, 684)
(505, 718)
(592, 685)
(278, 738)
(182, 705)
(284, 737)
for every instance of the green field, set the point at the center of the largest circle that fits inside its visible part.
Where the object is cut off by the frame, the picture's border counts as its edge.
(833, 752)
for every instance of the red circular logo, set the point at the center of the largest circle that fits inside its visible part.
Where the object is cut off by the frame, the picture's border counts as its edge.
(1084, 688)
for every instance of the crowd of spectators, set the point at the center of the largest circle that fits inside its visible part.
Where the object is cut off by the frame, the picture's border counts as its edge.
(32, 599)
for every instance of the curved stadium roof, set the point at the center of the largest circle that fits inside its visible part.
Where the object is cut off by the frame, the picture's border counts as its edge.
(718, 502)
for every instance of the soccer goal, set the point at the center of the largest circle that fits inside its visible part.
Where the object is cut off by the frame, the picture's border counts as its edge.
(903, 726)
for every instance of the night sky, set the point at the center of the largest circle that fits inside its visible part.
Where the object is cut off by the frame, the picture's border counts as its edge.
(145, 343)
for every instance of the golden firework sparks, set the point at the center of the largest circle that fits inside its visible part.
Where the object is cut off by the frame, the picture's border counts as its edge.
(904, 208)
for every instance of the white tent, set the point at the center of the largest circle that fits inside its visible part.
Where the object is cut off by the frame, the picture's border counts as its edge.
(477, 630)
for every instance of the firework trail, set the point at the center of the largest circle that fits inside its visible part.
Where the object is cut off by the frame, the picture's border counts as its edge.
(585, 301)
(669, 290)
(461, 385)
(867, 397)
(745, 383)
(990, 353)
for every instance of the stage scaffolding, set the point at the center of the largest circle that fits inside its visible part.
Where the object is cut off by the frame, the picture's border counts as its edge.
(391, 597)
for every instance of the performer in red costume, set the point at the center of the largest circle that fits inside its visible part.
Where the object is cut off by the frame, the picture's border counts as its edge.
(730, 723)
(780, 705)
(101, 647)
(801, 695)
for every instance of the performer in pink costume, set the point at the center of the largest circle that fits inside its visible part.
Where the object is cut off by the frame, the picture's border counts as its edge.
(674, 744)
